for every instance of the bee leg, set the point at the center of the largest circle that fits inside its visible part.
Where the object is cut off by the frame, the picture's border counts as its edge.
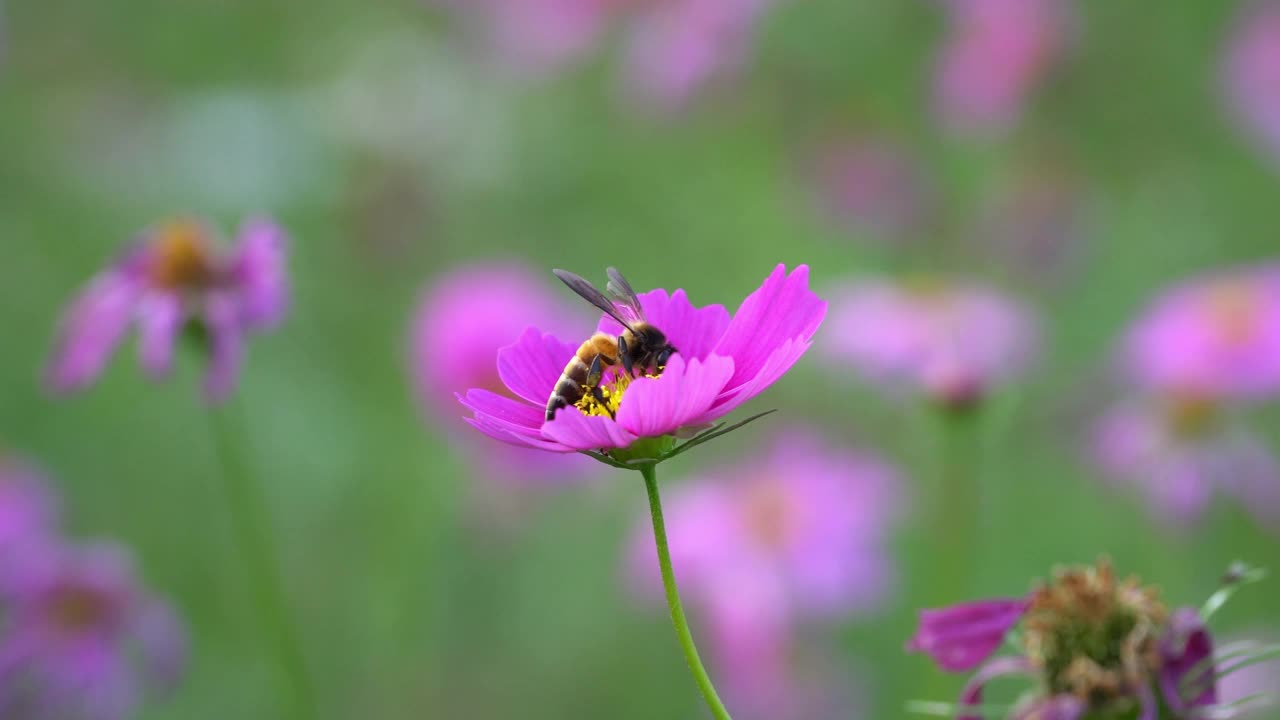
(625, 356)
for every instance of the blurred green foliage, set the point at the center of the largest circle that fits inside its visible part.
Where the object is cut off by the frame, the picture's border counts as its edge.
(411, 602)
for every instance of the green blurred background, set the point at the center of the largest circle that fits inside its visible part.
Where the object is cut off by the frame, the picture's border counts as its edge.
(392, 156)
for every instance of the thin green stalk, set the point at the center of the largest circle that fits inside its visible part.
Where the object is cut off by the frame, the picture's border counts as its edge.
(958, 507)
(252, 528)
(673, 598)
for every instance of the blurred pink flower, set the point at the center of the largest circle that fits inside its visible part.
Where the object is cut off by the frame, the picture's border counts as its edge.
(168, 282)
(1252, 73)
(871, 185)
(1179, 451)
(961, 637)
(954, 341)
(720, 364)
(674, 47)
(1256, 680)
(1037, 228)
(462, 321)
(797, 533)
(995, 54)
(1216, 336)
(81, 640)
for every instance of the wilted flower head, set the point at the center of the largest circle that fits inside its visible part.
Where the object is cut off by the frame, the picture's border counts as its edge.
(1180, 450)
(1094, 645)
(1216, 337)
(81, 639)
(462, 321)
(720, 363)
(995, 54)
(870, 185)
(954, 342)
(1252, 73)
(171, 281)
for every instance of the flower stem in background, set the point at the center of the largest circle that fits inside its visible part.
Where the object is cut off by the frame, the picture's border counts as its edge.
(673, 598)
(957, 506)
(252, 528)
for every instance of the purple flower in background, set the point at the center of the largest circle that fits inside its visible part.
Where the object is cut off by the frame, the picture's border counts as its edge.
(461, 323)
(721, 364)
(1095, 645)
(1179, 450)
(1036, 228)
(681, 46)
(954, 342)
(797, 533)
(1217, 336)
(171, 280)
(995, 54)
(1252, 73)
(81, 639)
(870, 185)
(674, 48)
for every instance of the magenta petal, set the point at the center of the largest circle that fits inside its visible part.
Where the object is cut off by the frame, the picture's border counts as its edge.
(226, 347)
(1186, 645)
(960, 637)
(259, 273)
(694, 331)
(778, 363)
(532, 365)
(972, 694)
(782, 309)
(659, 406)
(91, 329)
(504, 433)
(159, 321)
(587, 432)
(516, 416)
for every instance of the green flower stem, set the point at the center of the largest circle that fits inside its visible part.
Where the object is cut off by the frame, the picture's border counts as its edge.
(673, 598)
(251, 525)
(958, 507)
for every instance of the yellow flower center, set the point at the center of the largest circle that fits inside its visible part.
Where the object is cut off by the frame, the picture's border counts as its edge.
(182, 258)
(75, 609)
(612, 386)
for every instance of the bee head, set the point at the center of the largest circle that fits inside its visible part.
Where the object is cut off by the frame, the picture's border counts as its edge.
(652, 345)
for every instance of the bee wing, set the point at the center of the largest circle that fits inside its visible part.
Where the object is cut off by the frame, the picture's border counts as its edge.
(589, 293)
(623, 292)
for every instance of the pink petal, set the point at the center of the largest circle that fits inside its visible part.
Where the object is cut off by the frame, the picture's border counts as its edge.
(488, 426)
(659, 406)
(92, 327)
(159, 321)
(782, 309)
(226, 347)
(258, 271)
(587, 432)
(518, 417)
(531, 366)
(694, 331)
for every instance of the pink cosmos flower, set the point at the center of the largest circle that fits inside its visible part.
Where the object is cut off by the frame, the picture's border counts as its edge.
(1251, 73)
(170, 281)
(462, 322)
(799, 532)
(1217, 336)
(1179, 451)
(995, 54)
(870, 185)
(81, 640)
(954, 342)
(721, 363)
(961, 637)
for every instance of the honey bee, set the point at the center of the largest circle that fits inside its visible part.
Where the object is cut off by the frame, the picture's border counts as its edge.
(641, 346)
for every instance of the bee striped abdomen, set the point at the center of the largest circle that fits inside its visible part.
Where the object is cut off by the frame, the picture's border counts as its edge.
(570, 387)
